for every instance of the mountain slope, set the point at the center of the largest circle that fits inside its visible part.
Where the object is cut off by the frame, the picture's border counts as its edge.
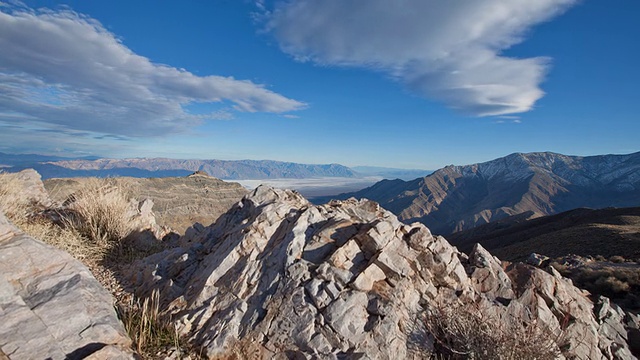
(460, 197)
(585, 232)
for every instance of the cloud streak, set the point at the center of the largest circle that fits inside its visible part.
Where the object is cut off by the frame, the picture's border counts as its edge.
(444, 50)
(66, 69)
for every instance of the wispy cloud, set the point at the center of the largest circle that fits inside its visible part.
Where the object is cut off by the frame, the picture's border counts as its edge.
(445, 50)
(65, 69)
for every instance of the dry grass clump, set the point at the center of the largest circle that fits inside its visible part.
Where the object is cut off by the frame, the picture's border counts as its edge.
(466, 332)
(100, 211)
(91, 226)
(149, 330)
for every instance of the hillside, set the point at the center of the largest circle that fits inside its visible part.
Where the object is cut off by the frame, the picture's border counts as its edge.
(457, 198)
(585, 232)
(178, 201)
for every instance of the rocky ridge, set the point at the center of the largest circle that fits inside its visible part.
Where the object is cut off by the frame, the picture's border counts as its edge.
(457, 198)
(280, 277)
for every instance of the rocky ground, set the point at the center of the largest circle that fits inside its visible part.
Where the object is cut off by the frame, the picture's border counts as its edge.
(277, 277)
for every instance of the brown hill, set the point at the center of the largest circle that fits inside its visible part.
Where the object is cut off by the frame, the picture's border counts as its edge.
(179, 202)
(457, 198)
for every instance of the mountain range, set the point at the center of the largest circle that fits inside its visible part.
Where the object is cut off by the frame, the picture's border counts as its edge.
(57, 167)
(457, 198)
(61, 167)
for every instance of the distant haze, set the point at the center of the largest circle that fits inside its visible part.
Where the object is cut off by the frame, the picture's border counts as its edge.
(326, 186)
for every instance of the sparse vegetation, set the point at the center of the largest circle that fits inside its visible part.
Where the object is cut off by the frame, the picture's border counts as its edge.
(616, 279)
(465, 332)
(152, 332)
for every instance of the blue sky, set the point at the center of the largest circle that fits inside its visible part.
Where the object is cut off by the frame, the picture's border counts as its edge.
(415, 84)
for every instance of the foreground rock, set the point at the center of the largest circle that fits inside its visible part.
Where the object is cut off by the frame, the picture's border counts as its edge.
(51, 307)
(29, 189)
(279, 277)
(178, 202)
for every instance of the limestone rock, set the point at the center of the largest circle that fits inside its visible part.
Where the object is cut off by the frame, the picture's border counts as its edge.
(347, 279)
(51, 306)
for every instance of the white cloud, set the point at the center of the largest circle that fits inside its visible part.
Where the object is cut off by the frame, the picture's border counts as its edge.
(445, 50)
(66, 69)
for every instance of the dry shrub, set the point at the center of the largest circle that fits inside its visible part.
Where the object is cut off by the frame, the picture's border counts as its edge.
(617, 259)
(100, 211)
(152, 332)
(27, 216)
(617, 281)
(466, 332)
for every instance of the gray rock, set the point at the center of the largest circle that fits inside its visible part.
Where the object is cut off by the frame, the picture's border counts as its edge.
(537, 260)
(348, 279)
(51, 306)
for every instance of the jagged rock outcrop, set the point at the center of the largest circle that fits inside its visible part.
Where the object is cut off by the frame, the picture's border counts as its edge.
(51, 307)
(284, 278)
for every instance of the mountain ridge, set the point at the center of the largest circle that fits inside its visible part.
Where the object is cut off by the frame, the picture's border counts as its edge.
(57, 167)
(459, 197)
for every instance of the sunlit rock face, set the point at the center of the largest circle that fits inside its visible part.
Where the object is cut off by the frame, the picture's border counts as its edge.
(51, 307)
(285, 278)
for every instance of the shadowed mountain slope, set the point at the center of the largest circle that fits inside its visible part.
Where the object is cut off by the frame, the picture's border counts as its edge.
(585, 232)
(457, 198)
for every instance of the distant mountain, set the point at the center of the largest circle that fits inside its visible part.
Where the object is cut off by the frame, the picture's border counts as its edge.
(163, 167)
(585, 232)
(391, 173)
(457, 198)
(7, 160)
